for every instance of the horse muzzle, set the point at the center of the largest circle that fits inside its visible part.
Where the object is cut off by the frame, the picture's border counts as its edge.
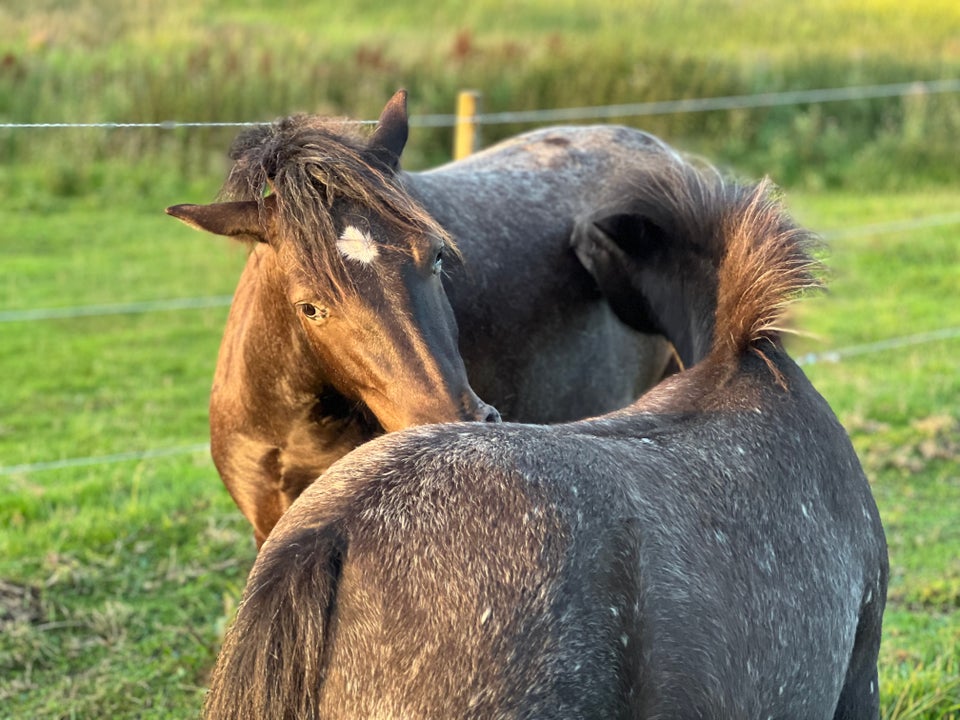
(486, 413)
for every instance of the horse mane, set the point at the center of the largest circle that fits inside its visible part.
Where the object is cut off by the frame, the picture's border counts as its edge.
(767, 263)
(308, 162)
(762, 259)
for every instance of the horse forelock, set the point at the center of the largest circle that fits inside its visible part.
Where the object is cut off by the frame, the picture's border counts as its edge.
(310, 163)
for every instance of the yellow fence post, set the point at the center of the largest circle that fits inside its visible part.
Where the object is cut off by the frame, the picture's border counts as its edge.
(466, 135)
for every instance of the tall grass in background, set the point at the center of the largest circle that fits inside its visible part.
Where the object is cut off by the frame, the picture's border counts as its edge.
(218, 60)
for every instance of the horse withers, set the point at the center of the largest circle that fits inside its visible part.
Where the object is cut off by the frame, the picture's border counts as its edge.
(340, 328)
(713, 550)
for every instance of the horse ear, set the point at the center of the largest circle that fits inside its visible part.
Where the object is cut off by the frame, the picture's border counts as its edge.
(606, 244)
(613, 248)
(390, 137)
(637, 235)
(246, 218)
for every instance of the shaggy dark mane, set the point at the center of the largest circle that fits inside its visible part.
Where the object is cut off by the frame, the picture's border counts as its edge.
(309, 163)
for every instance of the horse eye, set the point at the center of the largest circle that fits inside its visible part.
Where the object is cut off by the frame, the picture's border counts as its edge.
(438, 262)
(312, 312)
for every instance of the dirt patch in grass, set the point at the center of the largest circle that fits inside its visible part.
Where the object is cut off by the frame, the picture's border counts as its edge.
(19, 604)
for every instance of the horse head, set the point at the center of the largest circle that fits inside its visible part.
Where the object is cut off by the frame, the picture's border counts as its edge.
(361, 262)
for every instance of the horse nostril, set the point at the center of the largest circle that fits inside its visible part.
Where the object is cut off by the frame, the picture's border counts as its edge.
(492, 415)
(476, 410)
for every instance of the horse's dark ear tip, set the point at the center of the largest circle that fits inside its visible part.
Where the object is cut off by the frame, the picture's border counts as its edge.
(178, 211)
(398, 103)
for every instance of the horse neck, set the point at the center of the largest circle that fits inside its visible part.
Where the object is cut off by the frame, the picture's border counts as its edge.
(264, 350)
(693, 336)
(685, 302)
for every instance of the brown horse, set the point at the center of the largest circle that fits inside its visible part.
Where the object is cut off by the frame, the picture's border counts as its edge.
(713, 550)
(340, 326)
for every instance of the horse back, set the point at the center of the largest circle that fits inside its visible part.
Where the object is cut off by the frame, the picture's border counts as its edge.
(762, 558)
(717, 563)
(408, 585)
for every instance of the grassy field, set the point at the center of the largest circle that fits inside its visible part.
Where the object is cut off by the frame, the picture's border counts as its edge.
(118, 577)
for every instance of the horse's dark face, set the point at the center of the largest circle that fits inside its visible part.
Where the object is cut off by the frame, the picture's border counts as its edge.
(360, 265)
(387, 335)
(383, 331)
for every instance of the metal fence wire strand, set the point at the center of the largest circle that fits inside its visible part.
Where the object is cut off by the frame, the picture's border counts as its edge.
(214, 301)
(658, 107)
(830, 356)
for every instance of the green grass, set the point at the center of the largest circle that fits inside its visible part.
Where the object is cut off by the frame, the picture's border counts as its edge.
(135, 565)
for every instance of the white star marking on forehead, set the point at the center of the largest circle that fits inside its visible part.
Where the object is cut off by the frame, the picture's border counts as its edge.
(356, 244)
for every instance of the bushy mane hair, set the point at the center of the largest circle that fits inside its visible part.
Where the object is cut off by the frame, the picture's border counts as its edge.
(768, 263)
(308, 163)
(762, 260)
